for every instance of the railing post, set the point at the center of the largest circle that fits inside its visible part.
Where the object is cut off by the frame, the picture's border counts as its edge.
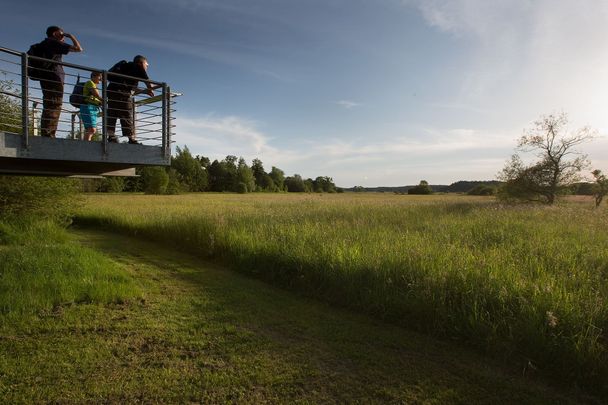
(168, 152)
(165, 108)
(25, 117)
(104, 112)
(34, 122)
(73, 121)
(134, 118)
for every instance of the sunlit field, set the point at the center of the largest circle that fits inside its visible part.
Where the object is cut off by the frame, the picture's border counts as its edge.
(41, 269)
(527, 283)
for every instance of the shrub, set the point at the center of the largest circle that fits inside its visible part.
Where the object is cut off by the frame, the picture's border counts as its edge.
(422, 188)
(241, 188)
(174, 186)
(112, 185)
(482, 189)
(38, 197)
(155, 180)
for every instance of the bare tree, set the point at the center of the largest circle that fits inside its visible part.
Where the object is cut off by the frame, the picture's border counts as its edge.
(559, 164)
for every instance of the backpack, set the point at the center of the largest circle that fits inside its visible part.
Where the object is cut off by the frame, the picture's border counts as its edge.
(118, 68)
(122, 84)
(38, 69)
(77, 96)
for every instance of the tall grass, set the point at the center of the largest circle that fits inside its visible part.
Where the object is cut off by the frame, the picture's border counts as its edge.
(524, 282)
(41, 270)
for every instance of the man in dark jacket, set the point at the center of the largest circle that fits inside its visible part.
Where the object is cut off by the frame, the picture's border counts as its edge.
(120, 92)
(51, 82)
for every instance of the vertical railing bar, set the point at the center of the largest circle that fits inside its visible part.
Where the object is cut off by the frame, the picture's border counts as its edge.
(25, 121)
(35, 129)
(134, 118)
(164, 120)
(168, 152)
(104, 112)
(73, 122)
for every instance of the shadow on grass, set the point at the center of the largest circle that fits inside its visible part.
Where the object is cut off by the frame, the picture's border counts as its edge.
(268, 344)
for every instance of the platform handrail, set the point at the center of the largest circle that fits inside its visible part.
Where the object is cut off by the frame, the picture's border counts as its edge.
(158, 120)
(76, 66)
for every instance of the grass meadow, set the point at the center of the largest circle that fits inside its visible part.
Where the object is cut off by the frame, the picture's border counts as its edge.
(41, 270)
(527, 284)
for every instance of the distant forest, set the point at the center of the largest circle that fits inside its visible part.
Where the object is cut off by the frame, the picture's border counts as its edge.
(189, 173)
(462, 186)
(457, 187)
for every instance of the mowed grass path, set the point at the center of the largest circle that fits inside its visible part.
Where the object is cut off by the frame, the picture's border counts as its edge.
(528, 284)
(201, 333)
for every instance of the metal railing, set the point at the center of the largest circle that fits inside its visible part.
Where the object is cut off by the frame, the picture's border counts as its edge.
(152, 116)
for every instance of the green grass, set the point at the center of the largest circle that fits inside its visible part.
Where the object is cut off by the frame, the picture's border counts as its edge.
(206, 335)
(524, 283)
(41, 270)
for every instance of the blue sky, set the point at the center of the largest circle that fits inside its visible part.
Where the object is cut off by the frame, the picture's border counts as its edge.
(370, 92)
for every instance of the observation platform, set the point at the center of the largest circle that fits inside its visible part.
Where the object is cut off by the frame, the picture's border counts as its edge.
(24, 152)
(72, 157)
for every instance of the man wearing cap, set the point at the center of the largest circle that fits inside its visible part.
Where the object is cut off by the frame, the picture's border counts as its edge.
(120, 91)
(54, 47)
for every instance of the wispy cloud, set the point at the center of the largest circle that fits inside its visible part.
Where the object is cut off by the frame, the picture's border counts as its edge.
(476, 17)
(347, 104)
(229, 130)
(218, 136)
(197, 49)
(529, 57)
(458, 106)
(227, 54)
(433, 154)
(432, 143)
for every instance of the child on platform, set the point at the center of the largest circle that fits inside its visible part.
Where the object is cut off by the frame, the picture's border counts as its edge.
(90, 109)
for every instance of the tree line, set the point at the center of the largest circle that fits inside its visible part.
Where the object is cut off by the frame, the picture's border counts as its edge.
(189, 173)
(556, 171)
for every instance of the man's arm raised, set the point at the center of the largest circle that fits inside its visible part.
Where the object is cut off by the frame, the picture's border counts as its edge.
(75, 47)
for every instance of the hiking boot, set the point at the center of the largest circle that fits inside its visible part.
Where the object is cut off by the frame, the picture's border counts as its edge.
(134, 142)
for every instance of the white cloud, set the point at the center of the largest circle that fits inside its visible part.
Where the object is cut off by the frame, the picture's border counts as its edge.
(529, 57)
(399, 159)
(216, 137)
(439, 156)
(347, 104)
(230, 130)
(474, 17)
(433, 142)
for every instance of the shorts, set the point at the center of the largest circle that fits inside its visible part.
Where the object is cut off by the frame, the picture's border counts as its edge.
(88, 115)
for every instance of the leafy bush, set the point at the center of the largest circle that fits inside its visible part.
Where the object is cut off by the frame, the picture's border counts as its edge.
(174, 186)
(600, 187)
(241, 188)
(10, 108)
(422, 188)
(155, 180)
(482, 189)
(112, 184)
(38, 197)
